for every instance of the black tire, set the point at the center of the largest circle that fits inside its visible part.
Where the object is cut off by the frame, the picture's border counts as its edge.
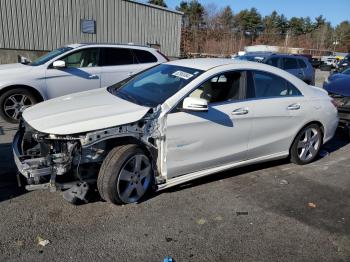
(294, 151)
(16, 91)
(108, 177)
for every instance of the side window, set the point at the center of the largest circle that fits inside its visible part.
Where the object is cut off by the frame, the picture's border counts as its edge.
(144, 56)
(117, 56)
(290, 63)
(269, 85)
(83, 58)
(302, 63)
(223, 87)
(273, 61)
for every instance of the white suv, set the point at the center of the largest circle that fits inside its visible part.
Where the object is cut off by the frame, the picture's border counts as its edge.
(72, 68)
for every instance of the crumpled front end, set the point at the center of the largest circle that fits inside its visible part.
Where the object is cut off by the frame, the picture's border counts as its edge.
(58, 161)
(40, 158)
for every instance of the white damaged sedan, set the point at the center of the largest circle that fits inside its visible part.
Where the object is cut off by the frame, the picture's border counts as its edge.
(170, 124)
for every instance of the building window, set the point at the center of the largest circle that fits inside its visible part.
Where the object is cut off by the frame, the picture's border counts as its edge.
(88, 26)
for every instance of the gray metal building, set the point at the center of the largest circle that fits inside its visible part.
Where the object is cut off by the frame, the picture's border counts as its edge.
(43, 25)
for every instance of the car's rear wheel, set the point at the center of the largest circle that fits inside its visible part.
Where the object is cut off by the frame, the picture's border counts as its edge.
(125, 176)
(13, 102)
(306, 145)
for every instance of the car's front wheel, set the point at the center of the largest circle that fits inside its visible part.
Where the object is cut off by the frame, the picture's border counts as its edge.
(125, 176)
(13, 102)
(306, 145)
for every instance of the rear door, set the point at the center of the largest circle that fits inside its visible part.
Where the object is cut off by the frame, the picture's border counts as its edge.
(117, 64)
(291, 65)
(279, 108)
(81, 73)
(308, 71)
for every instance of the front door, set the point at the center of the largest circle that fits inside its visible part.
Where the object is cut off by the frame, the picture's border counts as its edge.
(82, 73)
(201, 140)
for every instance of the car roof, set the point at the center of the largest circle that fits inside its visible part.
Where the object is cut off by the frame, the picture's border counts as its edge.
(206, 63)
(130, 45)
(297, 56)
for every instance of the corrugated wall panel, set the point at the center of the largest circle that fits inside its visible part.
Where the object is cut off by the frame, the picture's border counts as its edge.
(48, 24)
(1, 28)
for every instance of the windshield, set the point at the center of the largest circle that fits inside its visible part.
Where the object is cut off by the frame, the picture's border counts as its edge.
(42, 60)
(153, 86)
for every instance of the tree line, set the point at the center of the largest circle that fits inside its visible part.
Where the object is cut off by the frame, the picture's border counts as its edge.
(248, 26)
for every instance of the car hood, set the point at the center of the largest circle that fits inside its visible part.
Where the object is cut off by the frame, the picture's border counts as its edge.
(14, 69)
(337, 76)
(82, 112)
(339, 86)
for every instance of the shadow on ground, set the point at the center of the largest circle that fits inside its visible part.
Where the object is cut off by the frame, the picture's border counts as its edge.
(8, 181)
(9, 188)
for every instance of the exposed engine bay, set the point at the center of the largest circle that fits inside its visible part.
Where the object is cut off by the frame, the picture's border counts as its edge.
(59, 162)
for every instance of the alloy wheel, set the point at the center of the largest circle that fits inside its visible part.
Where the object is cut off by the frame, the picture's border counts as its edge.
(15, 104)
(308, 144)
(134, 178)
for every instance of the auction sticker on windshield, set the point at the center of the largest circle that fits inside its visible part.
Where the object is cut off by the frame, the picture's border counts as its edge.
(182, 74)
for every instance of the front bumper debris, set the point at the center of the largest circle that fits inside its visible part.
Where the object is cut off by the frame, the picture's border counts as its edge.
(40, 171)
(30, 168)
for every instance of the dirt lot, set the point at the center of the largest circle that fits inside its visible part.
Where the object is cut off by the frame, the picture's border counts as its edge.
(271, 212)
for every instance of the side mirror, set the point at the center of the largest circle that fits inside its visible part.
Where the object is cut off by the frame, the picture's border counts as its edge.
(195, 104)
(59, 64)
(23, 60)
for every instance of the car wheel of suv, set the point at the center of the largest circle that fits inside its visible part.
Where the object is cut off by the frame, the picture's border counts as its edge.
(306, 145)
(125, 175)
(14, 101)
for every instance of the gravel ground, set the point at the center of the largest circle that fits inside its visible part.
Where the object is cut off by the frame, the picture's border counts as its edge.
(268, 212)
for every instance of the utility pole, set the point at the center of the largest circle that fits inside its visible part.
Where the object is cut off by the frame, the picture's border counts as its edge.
(286, 40)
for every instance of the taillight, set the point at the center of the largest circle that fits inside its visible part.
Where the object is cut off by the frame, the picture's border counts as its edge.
(164, 56)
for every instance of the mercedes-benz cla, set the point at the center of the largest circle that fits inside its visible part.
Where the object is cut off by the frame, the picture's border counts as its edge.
(170, 124)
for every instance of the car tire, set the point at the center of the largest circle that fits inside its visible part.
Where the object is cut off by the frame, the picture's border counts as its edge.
(306, 145)
(125, 176)
(15, 100)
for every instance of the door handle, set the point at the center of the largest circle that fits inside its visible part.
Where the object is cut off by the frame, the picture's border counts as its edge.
(294, 107)
(240, 111)
(93, 76)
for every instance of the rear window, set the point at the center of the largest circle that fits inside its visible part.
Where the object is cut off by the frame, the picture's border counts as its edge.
(143, 56)
(270, 85)
(273, 61)
(116, 56)
(290, 63)
(302, 63)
